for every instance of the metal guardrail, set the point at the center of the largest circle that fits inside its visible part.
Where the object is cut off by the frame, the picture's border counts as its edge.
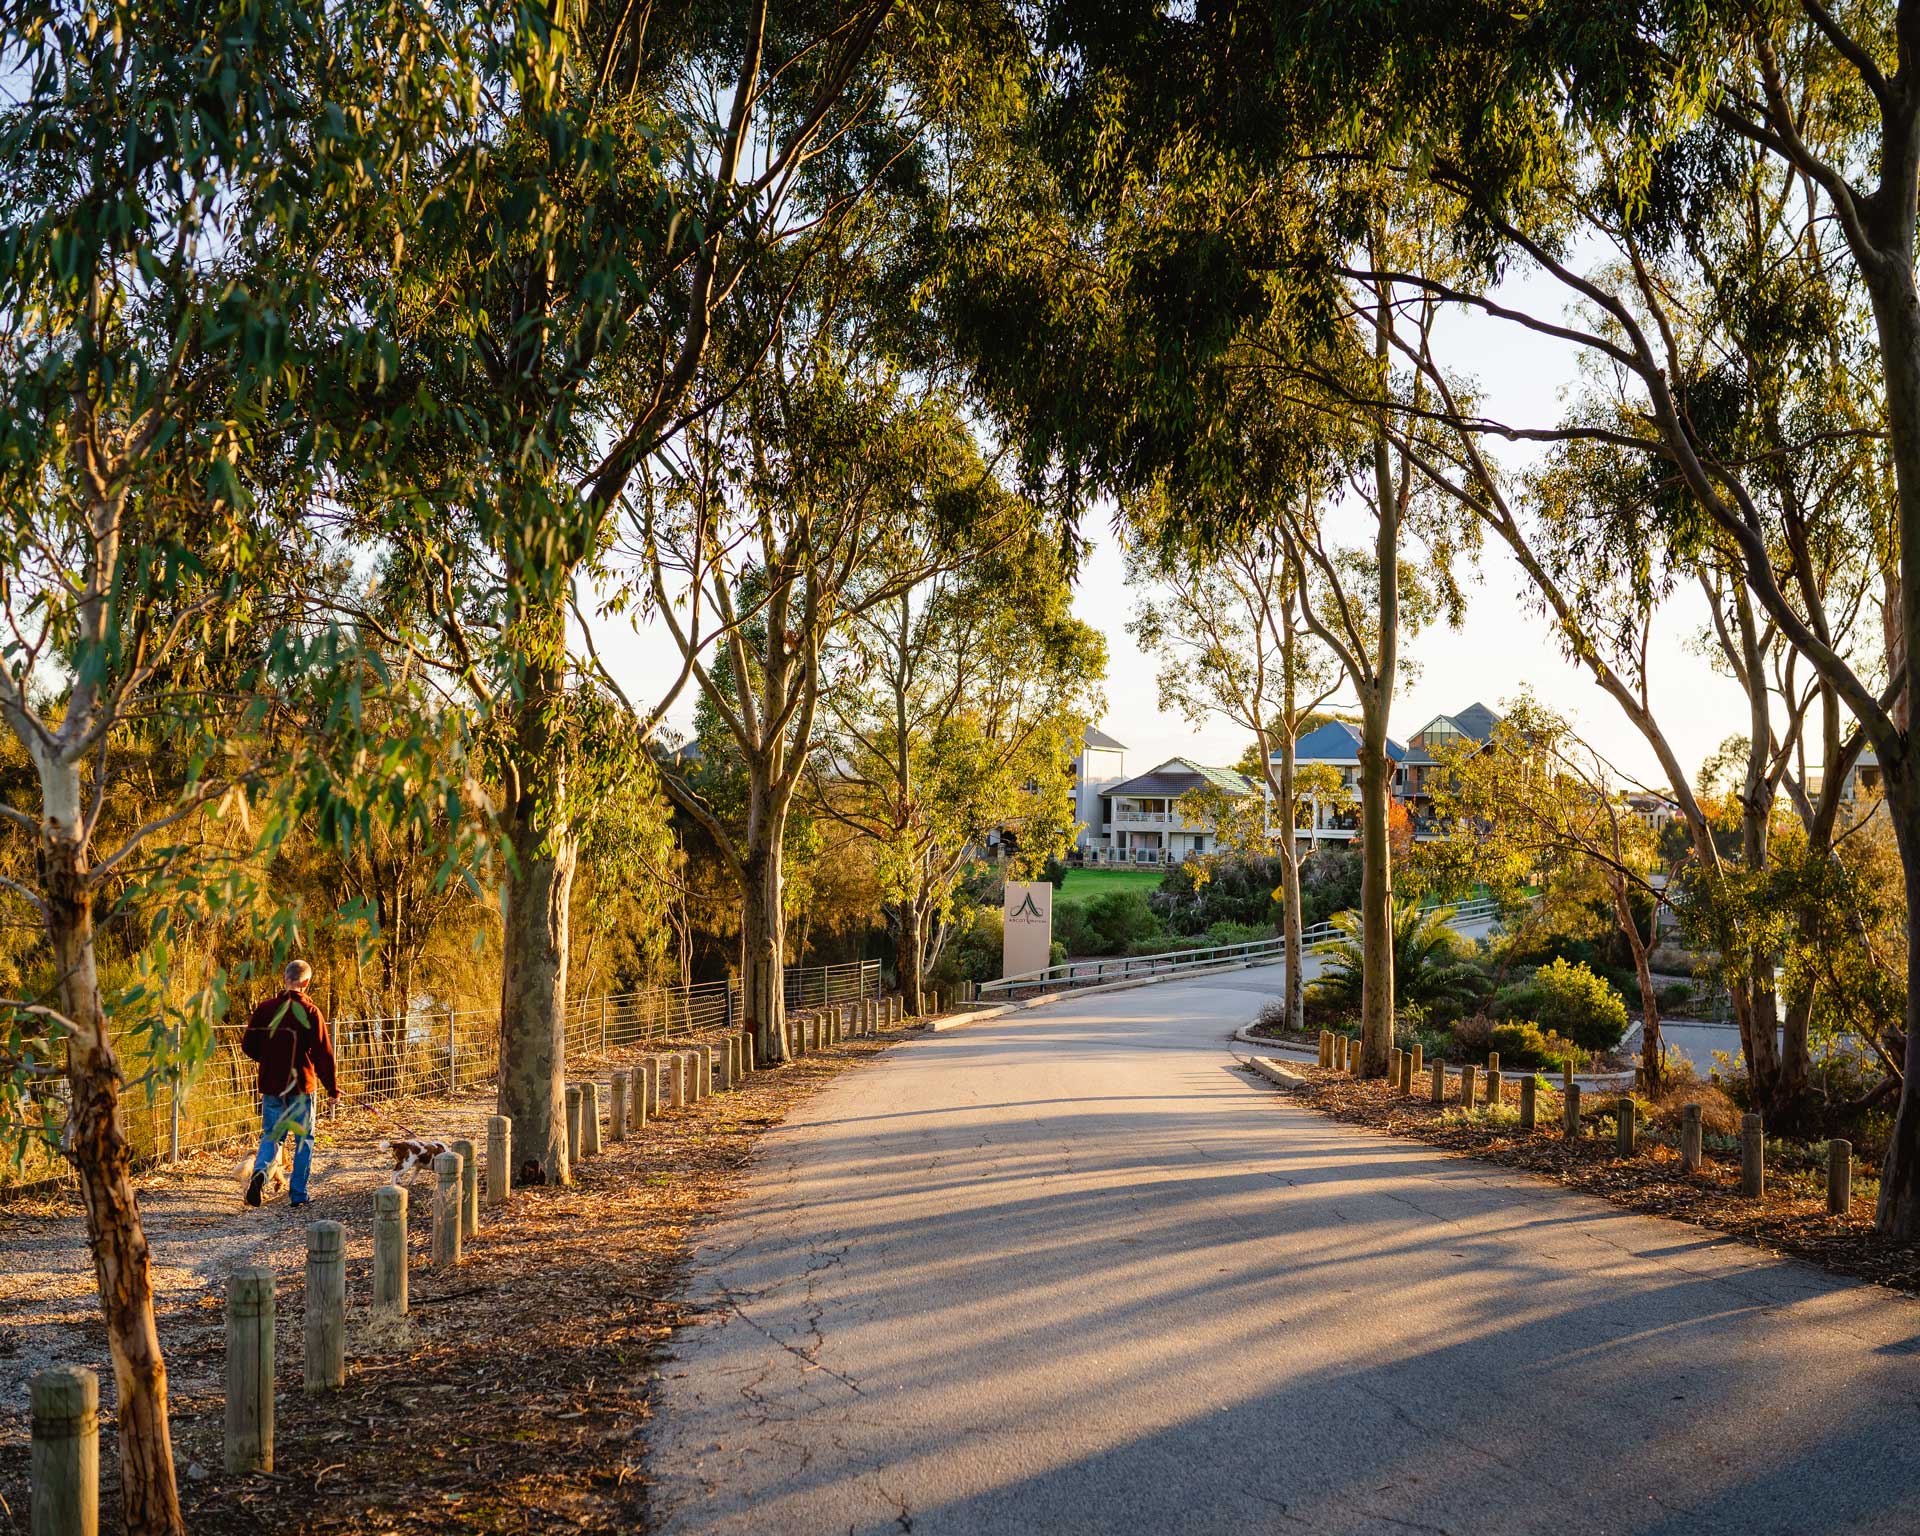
(1075, 973)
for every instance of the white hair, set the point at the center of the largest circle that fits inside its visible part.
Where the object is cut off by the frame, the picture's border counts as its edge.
(298, 973)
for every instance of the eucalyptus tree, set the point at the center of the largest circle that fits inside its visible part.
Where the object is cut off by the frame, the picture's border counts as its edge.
(1229, 631)
(587, 226)
(953, 711)
(170, 177)
(1536, 800)
(823, 489)
(1550, 133)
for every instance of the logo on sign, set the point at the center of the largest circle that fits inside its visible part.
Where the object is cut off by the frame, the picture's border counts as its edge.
(1028, 910)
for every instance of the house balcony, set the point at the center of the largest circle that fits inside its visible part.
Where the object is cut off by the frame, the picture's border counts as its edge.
(1125, 819)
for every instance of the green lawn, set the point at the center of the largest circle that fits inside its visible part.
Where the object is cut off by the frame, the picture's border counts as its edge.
(1082, 885)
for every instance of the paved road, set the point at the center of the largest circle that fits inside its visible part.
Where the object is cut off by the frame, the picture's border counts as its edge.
(1073, 1272)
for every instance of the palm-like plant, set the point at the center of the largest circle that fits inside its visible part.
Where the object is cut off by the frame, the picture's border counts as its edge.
(1429, 966)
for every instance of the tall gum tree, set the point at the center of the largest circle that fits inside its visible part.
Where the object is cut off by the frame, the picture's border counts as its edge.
(169, 179)
(1228, 630)
(563, 266)
(955, 711)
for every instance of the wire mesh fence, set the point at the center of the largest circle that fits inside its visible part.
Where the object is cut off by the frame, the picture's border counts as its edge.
(436, 1053)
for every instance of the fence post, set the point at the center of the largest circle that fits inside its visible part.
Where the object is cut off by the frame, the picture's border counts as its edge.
(1839, 1176)
(249, 1423)
(603, 1023)
(1571, 1092)
(589, 1118)
(325, 1314)
(65, 1460)
(390, 1248)
(469, 1187)
(446, 1210)
(173, 1128)
(1753, 1157)
(453, 1058)
(499, 1159)
(1529, 1094)
(1690, 1138)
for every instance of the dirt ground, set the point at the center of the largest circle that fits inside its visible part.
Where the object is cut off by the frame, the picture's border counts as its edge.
(514, 1397)
(1790, 1219)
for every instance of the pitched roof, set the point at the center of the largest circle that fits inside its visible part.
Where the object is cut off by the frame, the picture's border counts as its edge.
(1477, 721)
(1100, 739)
(1337, 742)
(1176, 776)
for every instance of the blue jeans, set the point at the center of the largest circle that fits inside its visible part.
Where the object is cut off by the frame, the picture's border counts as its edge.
(279, 1114)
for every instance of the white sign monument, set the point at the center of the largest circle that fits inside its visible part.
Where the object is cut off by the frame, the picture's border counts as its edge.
(1027, 942)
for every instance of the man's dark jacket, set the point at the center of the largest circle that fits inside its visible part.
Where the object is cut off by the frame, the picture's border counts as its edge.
(288, 1036)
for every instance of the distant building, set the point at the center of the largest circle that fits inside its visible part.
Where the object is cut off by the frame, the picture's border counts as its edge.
(1337, 744)
(1101, 764)
(1652, 811)
(1143, 814)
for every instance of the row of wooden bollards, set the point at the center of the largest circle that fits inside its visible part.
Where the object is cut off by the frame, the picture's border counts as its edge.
(66, 1399)
(1342, 1053)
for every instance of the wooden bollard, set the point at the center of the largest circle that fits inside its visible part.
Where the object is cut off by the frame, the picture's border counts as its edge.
(573, 1124)
(1326, 1045)
(1571, 1095)
(469, 1187)
(325, 1319)
(390, 1248)
(1690, 1138)
(1627, 1126)
(1493, 1062)
(1529, 1101)
(690, 1064)
(65, 1461)
(617, 1107)
(1467, 1072)
(1407, 1072)
(675, 1067)
(446, 1209)
(1839, 1176)
(1438, 1091)
(705, 1053)
(1418, 1063)
(749, 1054)
(499, 1159)
(723, 1065)
(589, 1118)
(1566, 1076)
(249, 1428)
(1393, 1068)
(1753, 1157)
(1495, 1085)
(650, 1093)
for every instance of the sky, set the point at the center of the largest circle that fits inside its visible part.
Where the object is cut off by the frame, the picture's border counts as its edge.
(1502, 646)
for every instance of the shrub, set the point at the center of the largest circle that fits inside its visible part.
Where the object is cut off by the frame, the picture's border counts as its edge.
(1524, 1044)
(1470, 1038)
(1675, 994)
(1273, 1015)
(1567, 1000)
(1116, 920)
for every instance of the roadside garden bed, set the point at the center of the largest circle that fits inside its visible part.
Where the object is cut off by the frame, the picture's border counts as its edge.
(1790, 1219)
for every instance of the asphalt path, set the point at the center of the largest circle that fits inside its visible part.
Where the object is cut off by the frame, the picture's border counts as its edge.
(1076, 1271)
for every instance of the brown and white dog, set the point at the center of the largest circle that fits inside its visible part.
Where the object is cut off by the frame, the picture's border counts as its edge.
(410, 1152)
(277, 1171)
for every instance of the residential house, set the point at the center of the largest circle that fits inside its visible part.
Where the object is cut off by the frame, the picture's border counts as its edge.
(1336, 744)
(1102, 763)
(1143, 814)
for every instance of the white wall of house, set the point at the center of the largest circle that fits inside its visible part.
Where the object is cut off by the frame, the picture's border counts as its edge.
(1097, 768)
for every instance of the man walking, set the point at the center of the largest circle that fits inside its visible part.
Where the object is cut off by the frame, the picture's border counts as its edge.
(287, 1035)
